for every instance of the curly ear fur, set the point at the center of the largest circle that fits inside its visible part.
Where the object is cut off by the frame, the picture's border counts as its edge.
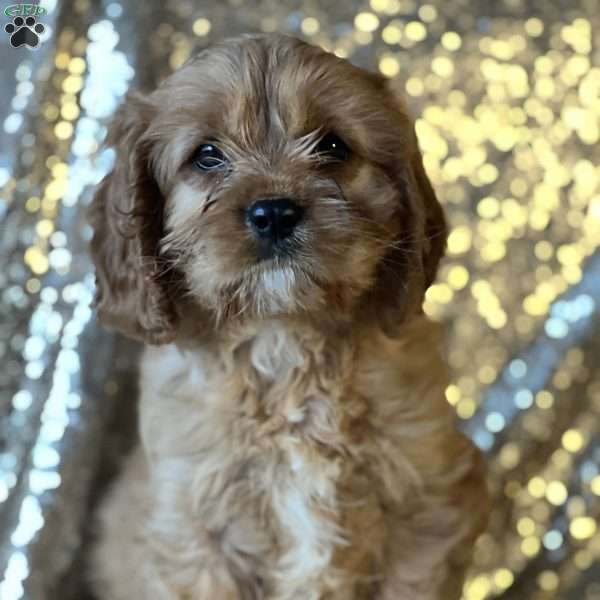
(126, 216)
(436, 230)
(403, 279)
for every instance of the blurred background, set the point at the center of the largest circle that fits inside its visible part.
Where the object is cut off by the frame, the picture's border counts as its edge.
(506, 97)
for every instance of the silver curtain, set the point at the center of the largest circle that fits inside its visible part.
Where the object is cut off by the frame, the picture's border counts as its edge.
(507, 100)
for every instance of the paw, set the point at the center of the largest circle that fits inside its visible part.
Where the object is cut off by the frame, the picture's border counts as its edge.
(24, 32)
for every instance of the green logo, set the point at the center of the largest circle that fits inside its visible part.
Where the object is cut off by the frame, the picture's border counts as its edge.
(24, 10)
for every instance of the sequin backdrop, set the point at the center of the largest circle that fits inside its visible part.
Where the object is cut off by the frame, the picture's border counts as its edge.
(507, 100)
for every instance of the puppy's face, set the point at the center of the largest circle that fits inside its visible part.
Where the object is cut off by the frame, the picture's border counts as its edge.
(264, 178)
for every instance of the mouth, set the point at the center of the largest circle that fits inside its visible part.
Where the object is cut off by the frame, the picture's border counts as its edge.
(284, 285)
(272, 266)
(277, 251)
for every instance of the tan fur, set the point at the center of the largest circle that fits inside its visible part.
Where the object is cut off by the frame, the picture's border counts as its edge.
(295, 439)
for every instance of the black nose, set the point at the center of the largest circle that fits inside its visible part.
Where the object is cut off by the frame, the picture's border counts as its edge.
(273, 219)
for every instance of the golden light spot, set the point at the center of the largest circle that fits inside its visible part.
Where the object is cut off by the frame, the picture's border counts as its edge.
(440, 293)
(488, 207)
(458, 277)
(459, 240)
(69, 111)
(488, 173)
(544, 250)
(526, 526)
(391, 34)
(503, 578)
(544, 399)
(510, 456)
(63, 130)
(364, 38)
(451, 41)
(77, 65)
(515, 213)
(59, 170)
(36, 260)
(48, 206)
(478, 588)
(366, 21)
(389, 66)
(432, 310)
(428, 13)
(393, 7)
(465, 408)
(539, 219)
(534, 27)
(44, 228)
(55, 189)
(487, 374)
(518, 186)
(33, 204)
(442, 66)
(572, 441)
(595, 485)
(415, 31)
(61, 60)
(201, 27)
(51, 112)
(453, 394)
(72, 84)
(530, 546)
(457, 98)
(379, 5)
(310, 26)
(582, 528)
(414, 87)
(180, 53)
(536, 487)
(430, 140)
(556, 493)
(493, 251)
(535, 306)
(545, 87)
(33, 285)
(548, 581)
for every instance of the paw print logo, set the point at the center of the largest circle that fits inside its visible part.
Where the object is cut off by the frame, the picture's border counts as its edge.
(24, 32)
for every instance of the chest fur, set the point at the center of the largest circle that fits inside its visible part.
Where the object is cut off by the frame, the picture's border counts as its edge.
(266, 437)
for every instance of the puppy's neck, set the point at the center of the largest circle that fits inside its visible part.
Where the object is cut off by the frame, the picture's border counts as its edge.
(270, 371)
(276, 351)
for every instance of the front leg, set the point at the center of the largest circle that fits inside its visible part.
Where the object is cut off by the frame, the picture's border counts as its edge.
(189, 561)
(144, 556)
(432, 535)
(200, 575)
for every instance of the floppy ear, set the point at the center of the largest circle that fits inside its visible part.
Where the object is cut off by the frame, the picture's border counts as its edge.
(412, 264)
(126, 215)
(435, 230)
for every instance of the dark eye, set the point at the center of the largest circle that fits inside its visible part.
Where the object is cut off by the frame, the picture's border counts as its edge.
(332, 147)
(209, 158)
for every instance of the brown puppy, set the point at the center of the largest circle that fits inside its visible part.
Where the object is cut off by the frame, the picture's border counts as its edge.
(268, 227)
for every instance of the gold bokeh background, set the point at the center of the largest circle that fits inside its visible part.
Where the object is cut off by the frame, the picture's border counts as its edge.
(506, 98)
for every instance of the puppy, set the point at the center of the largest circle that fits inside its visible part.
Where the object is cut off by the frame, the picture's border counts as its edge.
(269, 230)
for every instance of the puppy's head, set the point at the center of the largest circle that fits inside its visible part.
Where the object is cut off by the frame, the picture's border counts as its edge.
(264, 178)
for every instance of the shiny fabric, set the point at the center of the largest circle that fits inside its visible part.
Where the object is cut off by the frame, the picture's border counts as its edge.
(507, 100)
